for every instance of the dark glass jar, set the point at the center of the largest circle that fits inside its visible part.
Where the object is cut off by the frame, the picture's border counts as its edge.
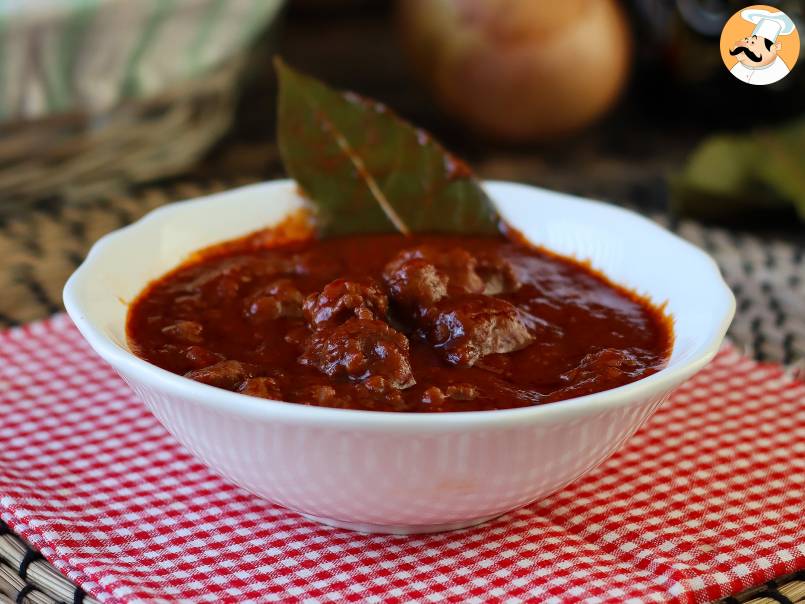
(680, 72)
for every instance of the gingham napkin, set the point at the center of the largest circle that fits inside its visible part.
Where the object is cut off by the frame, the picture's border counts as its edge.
(706, 500)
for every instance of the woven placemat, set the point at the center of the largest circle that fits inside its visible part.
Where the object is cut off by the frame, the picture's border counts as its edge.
(41, 247)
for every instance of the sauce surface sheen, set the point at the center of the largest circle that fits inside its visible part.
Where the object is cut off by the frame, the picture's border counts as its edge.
(261, 319)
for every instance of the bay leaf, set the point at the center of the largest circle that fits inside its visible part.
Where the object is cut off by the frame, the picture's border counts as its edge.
(367, 170)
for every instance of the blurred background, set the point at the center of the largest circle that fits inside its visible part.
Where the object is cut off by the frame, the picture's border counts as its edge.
(109, 108)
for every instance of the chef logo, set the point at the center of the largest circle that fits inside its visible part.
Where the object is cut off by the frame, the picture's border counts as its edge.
(759, 45)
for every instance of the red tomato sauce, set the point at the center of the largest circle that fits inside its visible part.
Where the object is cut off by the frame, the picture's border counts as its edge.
(426, 323)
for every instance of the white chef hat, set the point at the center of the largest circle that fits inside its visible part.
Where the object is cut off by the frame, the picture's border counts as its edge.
(768, 25)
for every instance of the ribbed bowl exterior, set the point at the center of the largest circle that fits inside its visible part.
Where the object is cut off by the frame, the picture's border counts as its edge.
(380, 477)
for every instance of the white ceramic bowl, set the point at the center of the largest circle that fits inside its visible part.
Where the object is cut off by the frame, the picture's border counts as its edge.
(395, 472)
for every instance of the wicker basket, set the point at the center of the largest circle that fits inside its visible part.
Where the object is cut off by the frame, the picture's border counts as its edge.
(81, 156)
(110, 92)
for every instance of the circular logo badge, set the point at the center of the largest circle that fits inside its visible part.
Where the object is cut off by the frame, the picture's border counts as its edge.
(760, 45)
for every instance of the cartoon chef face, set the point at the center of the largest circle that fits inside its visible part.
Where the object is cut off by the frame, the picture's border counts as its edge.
(755, 51)
(757, 55)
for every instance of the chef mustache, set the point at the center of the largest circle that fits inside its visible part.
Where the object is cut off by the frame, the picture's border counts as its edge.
(743, 49)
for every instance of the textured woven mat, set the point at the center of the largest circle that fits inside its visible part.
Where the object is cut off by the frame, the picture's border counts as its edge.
(42, 247)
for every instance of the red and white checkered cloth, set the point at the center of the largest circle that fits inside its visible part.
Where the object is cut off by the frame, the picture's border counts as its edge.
(706, 500)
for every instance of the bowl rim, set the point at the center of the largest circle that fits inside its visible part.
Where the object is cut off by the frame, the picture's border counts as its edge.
(137, 369)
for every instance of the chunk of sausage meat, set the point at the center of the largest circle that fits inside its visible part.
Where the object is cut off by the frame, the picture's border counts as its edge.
(497, 274)
(262, 387)
(449, 294)
(467, 328)
(607, 364)
(341, 299)
(184, 331)
(422, 276)
(226, 374)
(414, 282)
(279, 299)
(361, 349)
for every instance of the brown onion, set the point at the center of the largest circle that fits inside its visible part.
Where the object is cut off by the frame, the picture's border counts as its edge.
(519, 70)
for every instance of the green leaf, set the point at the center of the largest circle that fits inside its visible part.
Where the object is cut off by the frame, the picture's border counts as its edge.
(366, 170)
(732, 175)
(783, 167)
